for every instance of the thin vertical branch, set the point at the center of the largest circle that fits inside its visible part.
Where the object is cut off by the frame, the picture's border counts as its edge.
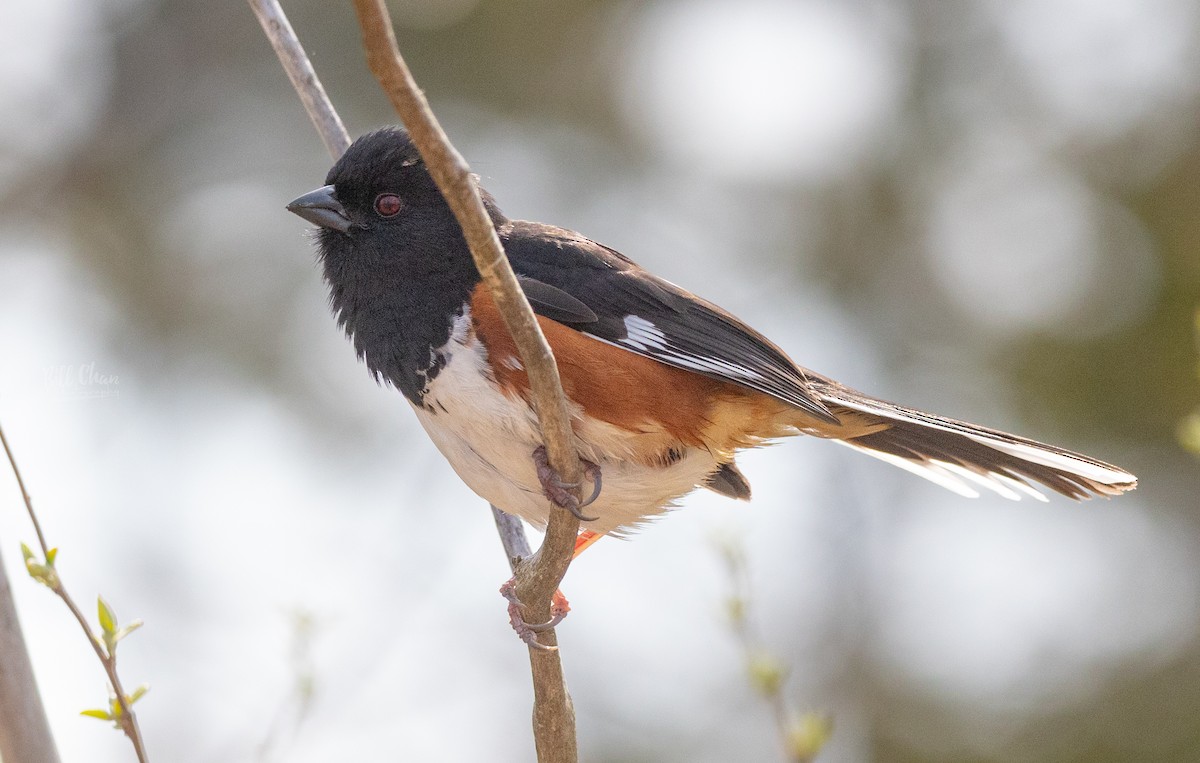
(537, 575)
(125, 718)
(37, 526)
(304, 78)
(801, 735)
(512, 537)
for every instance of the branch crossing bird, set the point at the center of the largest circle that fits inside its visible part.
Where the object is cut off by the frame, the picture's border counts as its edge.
(664, 387)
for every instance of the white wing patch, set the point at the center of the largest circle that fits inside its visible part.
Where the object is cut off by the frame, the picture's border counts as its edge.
(644, 336)
(710, 365)
(641, 334)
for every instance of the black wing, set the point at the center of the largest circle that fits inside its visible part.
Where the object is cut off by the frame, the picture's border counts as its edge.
(600, 292)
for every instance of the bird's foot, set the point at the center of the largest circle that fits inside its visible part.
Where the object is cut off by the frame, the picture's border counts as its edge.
(559, 607)
(559, 492)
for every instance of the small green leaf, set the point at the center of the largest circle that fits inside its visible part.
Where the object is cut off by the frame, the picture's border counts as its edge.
(766, 674)
(42, 573)
(51, 555)
(806, 736)
(97, 713)
(138, 693)
(108, 619)
(126, 630)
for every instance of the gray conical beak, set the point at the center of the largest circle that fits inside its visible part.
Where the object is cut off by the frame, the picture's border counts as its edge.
(321, 207)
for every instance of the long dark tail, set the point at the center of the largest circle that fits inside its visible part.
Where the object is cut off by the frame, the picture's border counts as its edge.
(962, 457)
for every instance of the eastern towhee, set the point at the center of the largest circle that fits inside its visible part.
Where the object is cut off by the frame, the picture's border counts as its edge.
(665, 388)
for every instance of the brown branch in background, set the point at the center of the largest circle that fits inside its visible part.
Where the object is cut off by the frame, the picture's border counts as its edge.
(537, 576)
(120, 709)
(24, 731)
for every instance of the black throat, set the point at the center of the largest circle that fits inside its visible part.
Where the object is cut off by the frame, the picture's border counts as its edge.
(398, 304)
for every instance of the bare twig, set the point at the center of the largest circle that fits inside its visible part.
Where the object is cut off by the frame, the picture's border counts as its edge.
(282, 730)
(801, 735)
(538, 575)
(125, 718)
(512, 537)
(304, 79)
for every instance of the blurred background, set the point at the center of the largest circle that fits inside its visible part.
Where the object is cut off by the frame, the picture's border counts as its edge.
(986, 209)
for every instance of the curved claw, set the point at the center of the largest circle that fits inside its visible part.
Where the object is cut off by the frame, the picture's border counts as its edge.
(530, 639)
(527, 632)
(574, 509)
(593, 473)
(559, 492)
(555, 619)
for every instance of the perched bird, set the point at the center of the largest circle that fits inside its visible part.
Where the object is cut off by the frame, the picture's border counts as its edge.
(664, 387)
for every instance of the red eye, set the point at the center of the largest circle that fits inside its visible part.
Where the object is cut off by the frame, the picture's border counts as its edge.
(388, 204)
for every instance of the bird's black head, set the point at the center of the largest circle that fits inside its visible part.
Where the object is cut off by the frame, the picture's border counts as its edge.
(379, 193)
(398, 268)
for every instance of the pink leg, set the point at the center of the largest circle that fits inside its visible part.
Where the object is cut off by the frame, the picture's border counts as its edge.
(559, 492)
(559, 607)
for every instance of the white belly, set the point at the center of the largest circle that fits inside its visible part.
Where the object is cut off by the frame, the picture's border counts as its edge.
(489, 439)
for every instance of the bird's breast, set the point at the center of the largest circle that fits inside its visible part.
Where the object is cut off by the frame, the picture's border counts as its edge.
(488, 434)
